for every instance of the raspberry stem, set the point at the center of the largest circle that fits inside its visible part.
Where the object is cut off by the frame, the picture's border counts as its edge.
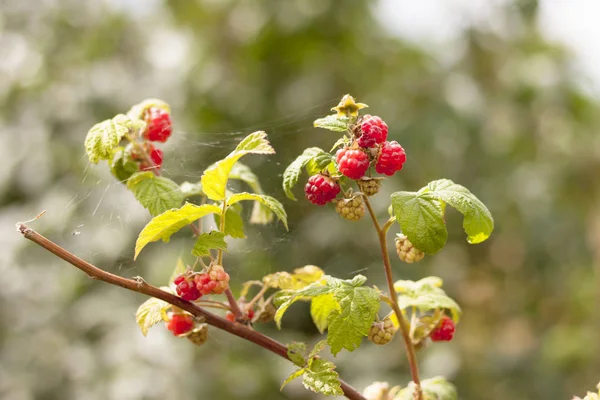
(393, 299)
(233, 304)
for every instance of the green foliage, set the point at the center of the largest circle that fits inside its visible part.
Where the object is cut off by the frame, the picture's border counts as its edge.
(352, 309)
(214, 180)
(300, 278)
(103, 138)
(321, 307)
(272, 203)
(122, 165)
(421, 214)
(437, 388)
(166, 224)
(209, 241)
(151, 313)
(313, 156)
(261, 214)
(317, 374)
(156, 193)
(234, 224)
(333, 123)
(426, 295)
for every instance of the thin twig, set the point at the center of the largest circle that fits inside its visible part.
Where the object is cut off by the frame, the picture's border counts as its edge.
(410, 350)
(140, 286)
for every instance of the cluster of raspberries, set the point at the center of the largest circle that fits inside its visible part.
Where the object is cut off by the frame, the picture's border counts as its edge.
(191, 287)
(158, 129)
(369, 148)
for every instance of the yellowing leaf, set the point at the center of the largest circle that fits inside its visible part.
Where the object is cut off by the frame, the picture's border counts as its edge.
(321, 307)
(150, 313)
(271, 202)
(426, 295)
(214, 180)
(320, 377)
(104, 137)
(166, 224)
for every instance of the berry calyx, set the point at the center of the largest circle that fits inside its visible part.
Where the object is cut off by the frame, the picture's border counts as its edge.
(186, 288)
(369, 186)
(407, 251)
(159, 125)
(199, 335)
(391, 158)
(213, 281)
(444, 331)
(352, 163)
(321, 189)
(373, 131)
(180, 324)
(382, 332)
(351, 209)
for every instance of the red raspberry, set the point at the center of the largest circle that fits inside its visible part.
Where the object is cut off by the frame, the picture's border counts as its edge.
(373, 131)
(321, 189)
(250, 313)
(391, 158)
(229, 316)
(186, 288)
(180, 324)
(159, 125)
(444, 331)
(352, 163)
(214, 281)
(156, 155)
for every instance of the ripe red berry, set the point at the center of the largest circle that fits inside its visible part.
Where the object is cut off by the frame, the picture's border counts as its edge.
(159, 125)
(180, 324)
(444, 331)
(373, 131)
(321, 189)
(352, 163)
(229, 316)
(214, 281)
(186, 288)
(156, 155)
(391, 158)
(250, 313)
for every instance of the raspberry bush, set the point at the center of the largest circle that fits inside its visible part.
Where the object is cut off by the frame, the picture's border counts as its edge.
(198, 297)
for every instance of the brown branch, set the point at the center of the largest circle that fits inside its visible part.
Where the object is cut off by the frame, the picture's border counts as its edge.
(140, 286)
(410, 349)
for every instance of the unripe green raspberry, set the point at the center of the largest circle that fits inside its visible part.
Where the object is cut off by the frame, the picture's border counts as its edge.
(369, 186)
(351, 209)
(406, 251)
(382, 332)
(199, 335)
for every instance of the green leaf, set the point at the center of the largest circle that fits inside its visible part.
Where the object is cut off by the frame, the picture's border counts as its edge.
(234, 224)
(343, 141)
(268, 201)
(166, 224)
(421, 214)
(190, 189)
(150, 313)
(319, 346)
(319, 162)
(437, 388)
(291, 175)
(214, 180)
(297, 353)
(156, 193)
(333, 123)
(180, 269)
(426, 295)
(261, 214)
(103, 138)
(358, 307)
(209, 241)
(286, 298)
(320, 377)
(138, 110)
(296, 374)
(122, 165)
(321, 307)
(478, 222)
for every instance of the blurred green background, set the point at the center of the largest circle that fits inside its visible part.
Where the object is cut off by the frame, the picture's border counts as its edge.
(499, 109)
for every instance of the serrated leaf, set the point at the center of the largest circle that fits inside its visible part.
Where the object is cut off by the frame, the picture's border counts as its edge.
(437, 388)
(138, 110)
(318, 347)
(333, 123)
(291, 175)
(180, 269)
(319, 162)
(296, 374)
(426, 295)
(286, 298)
(214, 180)
(209, 241)
(268, 201)
(234, 224)
(320, 377)
(189, 189)
(297, 353)
(122, 165)
(321, 307)
(166, 224)
(421, 214)
(150, 313)
(156, 193)
(104, 137)
(261, 214)
(358, 307)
